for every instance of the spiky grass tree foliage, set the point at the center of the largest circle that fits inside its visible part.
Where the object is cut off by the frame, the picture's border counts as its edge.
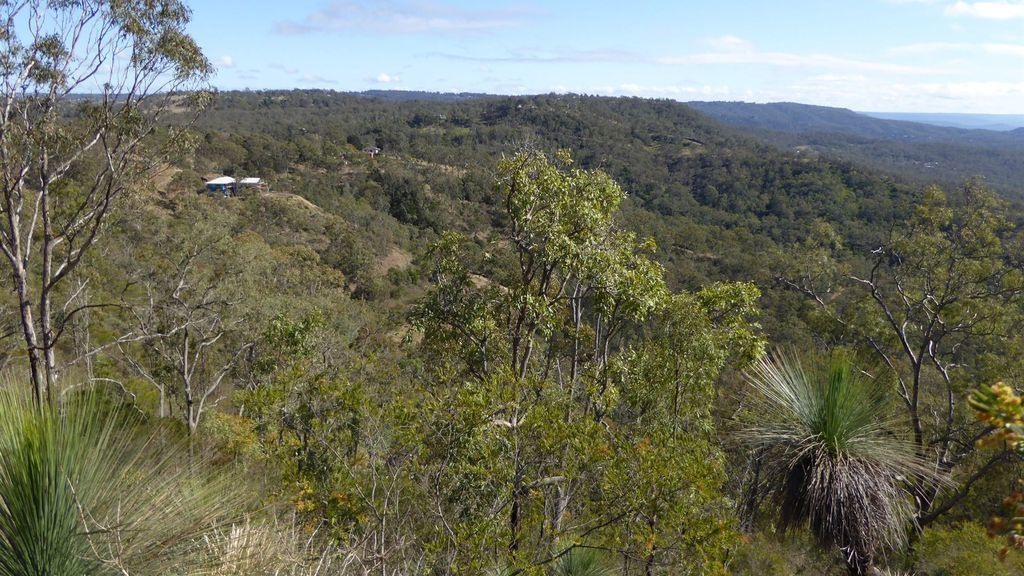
(828, 457)
(85, 489)
(583, 562)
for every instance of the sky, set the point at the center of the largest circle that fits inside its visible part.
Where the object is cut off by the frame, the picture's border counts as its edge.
(869, 55)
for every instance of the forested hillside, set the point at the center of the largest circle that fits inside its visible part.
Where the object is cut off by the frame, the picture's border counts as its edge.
(700, 188)
(537, 335)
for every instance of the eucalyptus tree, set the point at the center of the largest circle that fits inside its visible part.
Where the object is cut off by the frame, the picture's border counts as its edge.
(939, 304)
(187, 312)
(85, 87)
(569, 393)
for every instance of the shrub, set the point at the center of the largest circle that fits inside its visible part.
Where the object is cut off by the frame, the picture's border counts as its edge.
(964, 550)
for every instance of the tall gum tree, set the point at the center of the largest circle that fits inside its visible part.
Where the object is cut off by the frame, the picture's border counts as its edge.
(85, 87)
(569, 397)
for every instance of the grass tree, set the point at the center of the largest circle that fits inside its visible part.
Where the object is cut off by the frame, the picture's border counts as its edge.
(583, 562)
(826, 457)
(86, 488)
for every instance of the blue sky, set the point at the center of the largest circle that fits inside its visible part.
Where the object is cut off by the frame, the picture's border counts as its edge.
(869, 55)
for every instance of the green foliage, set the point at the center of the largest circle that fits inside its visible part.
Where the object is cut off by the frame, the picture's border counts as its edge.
(920, 151)
(1000, 407)
(792, 553)
(71, 160)
(306, 416)
(545, 427)
(189, 274)
(559, 385)
(964, 550)
(583, 562)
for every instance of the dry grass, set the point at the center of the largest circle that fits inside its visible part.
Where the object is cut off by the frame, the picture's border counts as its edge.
(395, 259)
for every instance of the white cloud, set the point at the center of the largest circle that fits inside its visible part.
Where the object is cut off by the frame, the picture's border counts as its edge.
(548, 57)
(285, 69)
(975, 90)
(841, 78)
(314, 79)
(864, 92)
(730, 43)
(385, 78)
(788, 60)
(1016, 50)
(874, 94)
(662, 91)
(225, 62)
(930, 48)
(400, 17)
(987, 10)
(296, 75)
(927, 48)
(728, 50)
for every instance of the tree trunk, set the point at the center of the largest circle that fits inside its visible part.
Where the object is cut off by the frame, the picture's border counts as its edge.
(513, 524)
(31, 337)
(49, 354)
(186, 382)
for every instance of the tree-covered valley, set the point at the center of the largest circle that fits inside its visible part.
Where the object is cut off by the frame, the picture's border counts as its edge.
(473, 334)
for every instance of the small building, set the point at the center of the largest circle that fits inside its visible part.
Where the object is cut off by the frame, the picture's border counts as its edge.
(224, 184)
(371, 151)
(258, 184)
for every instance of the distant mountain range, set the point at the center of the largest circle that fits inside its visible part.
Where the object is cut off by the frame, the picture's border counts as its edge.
(999, 122)
(932, 148)
(795, 118)
(922, 147)
(924, 151)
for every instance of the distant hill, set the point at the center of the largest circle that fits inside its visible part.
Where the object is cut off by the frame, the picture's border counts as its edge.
(795, 118)
(942, 154)
(999, 122)
(714, 199)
